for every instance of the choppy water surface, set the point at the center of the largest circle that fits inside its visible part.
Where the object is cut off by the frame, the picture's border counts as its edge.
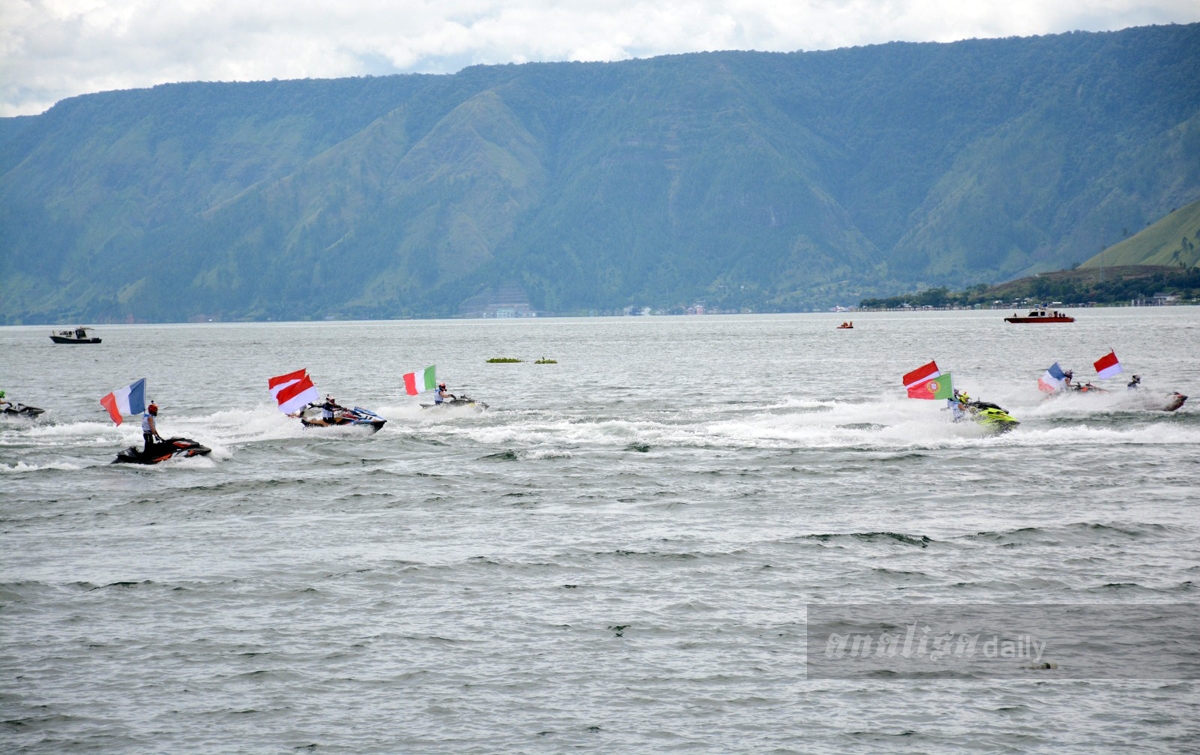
(616, 556)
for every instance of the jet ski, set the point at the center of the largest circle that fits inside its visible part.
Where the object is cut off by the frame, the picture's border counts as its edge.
(1175, 401)
(991, 416)
(20, 410)
(356, 417)
(457, 402)
(161, 451)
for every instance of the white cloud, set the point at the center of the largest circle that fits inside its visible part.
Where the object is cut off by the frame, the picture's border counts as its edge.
(51, 49)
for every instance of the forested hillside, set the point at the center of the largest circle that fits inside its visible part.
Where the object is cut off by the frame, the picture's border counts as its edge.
(759, 180)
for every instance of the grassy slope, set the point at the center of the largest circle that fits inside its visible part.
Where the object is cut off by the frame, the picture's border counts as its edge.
(1174, 240)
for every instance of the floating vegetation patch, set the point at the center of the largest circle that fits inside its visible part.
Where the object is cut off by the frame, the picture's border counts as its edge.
(544, 360)
(503, 360)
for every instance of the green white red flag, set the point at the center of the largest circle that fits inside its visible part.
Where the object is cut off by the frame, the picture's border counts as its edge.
(419, 382)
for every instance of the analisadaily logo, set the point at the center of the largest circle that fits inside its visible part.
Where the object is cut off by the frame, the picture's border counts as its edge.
(1078, 641)
(918, 643)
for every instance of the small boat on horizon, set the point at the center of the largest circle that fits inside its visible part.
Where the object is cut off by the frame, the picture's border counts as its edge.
(1041, 315)
(78, 335)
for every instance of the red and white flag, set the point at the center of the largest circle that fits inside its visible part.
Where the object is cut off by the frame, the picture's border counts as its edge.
(1108, 365)
(915, 381)
(293, 391)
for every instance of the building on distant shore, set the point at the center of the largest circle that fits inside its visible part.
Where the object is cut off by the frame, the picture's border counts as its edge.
(504, 301)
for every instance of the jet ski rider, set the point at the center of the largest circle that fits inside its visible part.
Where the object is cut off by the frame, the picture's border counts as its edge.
(1133, 384)
(958, 404)
(329, 410)
(149, 429)
(441, 395)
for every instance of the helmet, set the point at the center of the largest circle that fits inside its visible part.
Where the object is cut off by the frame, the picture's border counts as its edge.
(329, 397)
(153, 408)
(1069, 373)
(442, 386)
(963, 397)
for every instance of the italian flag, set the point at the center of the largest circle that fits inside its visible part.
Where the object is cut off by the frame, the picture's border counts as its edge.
(419, 382)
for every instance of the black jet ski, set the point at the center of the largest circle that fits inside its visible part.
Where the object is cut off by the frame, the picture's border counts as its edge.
(161, 451)
(458, 402)
(20, 410)
(356, 417)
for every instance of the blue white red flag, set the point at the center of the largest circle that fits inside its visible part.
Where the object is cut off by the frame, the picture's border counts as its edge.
(1053, 379)
(128, 400)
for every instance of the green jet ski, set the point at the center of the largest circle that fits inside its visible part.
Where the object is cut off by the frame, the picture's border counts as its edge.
(991, 416)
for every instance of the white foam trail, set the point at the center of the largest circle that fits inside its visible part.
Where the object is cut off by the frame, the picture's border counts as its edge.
(21, 467)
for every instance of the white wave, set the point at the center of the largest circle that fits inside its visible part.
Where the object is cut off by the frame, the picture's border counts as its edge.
(1093, 435)
(1083, 405)
(546, 453)
(21, 467)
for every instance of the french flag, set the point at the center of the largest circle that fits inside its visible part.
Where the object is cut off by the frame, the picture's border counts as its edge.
(1053, 379)
(915, 381)
(293, 391)
(128, 400)
(1108, 365)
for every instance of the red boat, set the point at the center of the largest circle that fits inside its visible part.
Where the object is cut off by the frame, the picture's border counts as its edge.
(1041, 315)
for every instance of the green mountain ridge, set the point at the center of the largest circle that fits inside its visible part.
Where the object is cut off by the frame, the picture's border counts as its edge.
(1173, 240)
(760, 180)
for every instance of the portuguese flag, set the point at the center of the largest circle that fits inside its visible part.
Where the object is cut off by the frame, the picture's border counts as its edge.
(935, 388)
(419, 382)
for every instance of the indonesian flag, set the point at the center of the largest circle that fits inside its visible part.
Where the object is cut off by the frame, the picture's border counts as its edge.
(1052, 380)
(1108, 365)
(293, 391)
(419, 382)
(915, 380)
(128, 400)
(939, 387)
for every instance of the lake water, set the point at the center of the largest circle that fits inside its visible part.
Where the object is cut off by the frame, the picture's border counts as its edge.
(618, 555)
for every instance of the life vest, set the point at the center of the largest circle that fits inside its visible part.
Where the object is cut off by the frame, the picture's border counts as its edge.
(146, 422)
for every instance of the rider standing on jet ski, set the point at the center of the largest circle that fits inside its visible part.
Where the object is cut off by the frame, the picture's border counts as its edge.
(149, 429)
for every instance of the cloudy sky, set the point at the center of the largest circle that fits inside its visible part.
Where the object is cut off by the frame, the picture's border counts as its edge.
(51, 49)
